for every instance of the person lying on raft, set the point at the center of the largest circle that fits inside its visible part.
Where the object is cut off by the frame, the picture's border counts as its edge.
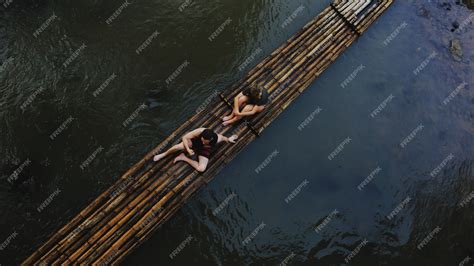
(248, 102)
(202, 142)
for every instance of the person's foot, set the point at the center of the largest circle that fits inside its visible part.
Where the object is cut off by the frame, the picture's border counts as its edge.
(179, 158)
(227, 117)
(158, 157)
(226, 123)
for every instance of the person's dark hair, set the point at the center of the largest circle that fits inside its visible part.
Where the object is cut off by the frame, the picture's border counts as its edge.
(210, 135)
(256, 91)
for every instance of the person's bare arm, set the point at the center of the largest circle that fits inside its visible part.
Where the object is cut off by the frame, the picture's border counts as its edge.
(236, 103)
(190, 135)
(231, 139)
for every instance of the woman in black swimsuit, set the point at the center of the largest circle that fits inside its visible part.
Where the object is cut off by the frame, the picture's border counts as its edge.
(204, 144)
(248, 102)
(201, 142)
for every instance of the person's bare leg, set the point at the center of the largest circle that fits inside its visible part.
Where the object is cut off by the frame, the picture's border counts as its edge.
(175, 148)
(236, 118)
(231, 121)
(228, 117)
(232, 114)
(200, 166)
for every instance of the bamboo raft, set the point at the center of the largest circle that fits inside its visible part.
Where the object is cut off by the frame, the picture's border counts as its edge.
(149, 193)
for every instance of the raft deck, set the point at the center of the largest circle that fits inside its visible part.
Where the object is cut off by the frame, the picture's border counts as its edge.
(149, 193)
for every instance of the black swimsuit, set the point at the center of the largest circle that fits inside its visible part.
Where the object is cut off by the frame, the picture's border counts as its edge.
(200, 149)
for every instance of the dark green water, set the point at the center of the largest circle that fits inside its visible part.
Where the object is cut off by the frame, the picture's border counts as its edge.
(40, 93)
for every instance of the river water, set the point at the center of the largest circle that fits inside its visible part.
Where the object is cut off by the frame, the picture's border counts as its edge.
(397, 192)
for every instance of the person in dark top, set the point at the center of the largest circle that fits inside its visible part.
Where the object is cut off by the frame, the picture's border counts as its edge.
(250, 101)
(200, 142)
